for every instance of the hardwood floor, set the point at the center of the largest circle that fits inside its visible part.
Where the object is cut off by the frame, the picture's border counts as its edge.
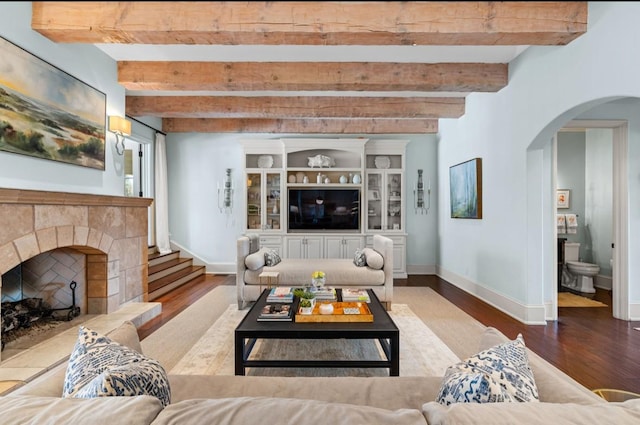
(586, 343)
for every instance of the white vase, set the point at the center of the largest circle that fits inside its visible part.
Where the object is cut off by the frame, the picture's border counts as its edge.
(325, 308)
(343, 179)
(356, 179)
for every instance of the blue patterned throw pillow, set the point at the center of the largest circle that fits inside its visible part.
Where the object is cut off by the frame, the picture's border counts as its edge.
(498, 374)
(271, 258)
(359, 258)
(99, 367)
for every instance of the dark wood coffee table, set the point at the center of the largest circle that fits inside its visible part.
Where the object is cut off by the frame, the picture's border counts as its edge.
(382, 328)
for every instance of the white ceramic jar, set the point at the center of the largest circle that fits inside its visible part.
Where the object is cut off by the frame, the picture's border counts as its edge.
(325, 308)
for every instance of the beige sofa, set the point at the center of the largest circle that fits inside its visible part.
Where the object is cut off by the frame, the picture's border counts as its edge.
(347, 400)
(296, 272)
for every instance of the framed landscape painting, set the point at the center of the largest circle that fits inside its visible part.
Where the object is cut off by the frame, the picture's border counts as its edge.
(47, 113)
(465, 182)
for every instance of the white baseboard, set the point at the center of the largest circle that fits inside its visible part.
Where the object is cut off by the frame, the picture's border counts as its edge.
(603, 282)
(529, 315)
(211, 268)
(634, 311)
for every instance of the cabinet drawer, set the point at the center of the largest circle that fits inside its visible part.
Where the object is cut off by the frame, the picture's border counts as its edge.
(397, 240)
(270, 240)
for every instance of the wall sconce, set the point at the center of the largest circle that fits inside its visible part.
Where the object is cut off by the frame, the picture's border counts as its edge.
(420, 203)
(121, 127)
(225, 194)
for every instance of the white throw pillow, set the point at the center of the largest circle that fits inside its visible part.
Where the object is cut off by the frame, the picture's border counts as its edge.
(374, 258)
(500, 373)
(99, 367)
(256, 260)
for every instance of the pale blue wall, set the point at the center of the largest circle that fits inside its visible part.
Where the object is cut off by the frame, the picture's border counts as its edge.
(504, 257)
(598, 218)
(86, 63)
(585, 160)
(571, 153)
(196, 164)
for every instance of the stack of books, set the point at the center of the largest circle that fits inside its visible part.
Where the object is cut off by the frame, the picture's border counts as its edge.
(280, 294)
(352, 294)
(276, 313)
(326, 294)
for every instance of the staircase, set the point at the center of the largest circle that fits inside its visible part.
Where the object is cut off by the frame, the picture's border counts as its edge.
(169, 271)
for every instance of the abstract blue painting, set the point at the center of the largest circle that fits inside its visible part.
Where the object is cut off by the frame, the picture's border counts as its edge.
(465, 182)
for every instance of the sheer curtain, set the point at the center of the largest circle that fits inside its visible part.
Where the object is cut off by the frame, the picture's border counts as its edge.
(162, 198)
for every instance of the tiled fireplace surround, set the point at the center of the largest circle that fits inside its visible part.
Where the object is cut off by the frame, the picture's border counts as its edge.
(111, 231)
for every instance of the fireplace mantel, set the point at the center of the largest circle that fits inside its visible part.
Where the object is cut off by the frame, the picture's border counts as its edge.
(20, 196)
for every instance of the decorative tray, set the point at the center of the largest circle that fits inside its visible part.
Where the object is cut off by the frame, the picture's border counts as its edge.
(359, 312)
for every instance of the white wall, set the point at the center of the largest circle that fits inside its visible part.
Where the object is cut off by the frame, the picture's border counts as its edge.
(422, 242)
(502, 257)
(92, 66)
(196, 164)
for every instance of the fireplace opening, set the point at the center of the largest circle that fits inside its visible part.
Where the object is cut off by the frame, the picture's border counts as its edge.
(40, 297)
(20, 316)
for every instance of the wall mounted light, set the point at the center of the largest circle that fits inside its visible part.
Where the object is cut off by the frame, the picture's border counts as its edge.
(121, 127)
(422, 203)
(225, 194)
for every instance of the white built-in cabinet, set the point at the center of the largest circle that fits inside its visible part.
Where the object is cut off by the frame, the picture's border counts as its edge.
(263, 178)
(304, 247)
(342, 246)
(375, 167)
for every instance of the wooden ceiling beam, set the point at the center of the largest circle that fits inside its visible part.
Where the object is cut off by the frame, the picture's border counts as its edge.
(310, 76)
(312, 23)
(294, 107)
(302, 126)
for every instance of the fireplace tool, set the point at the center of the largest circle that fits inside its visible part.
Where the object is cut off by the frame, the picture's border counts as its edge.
(74, 311)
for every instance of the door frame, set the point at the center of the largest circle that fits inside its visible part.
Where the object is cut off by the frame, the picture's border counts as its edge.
(620, 278)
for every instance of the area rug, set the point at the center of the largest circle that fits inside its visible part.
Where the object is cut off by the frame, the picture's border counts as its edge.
(568, 299)
(422, 353)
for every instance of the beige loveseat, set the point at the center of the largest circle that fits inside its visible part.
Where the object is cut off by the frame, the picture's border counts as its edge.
(295, 272)
(198, 399)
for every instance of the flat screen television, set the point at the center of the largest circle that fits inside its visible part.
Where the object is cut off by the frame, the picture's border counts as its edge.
(324, 209)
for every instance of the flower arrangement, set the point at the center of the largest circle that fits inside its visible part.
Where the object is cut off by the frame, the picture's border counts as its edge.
(317, 279)
(318, 275)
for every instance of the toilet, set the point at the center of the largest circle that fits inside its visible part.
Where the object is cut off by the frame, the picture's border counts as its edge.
(578, 275)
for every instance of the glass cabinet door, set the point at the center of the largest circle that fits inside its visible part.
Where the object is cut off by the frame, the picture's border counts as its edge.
(394, 201)
(254, 201)
(375, 213)
(273, 202)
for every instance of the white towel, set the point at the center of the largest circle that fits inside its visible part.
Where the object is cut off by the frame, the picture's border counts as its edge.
(562, 224)
(572, 223)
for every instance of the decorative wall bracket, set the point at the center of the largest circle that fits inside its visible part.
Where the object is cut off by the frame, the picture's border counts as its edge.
(225, 194)
(422, 203)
